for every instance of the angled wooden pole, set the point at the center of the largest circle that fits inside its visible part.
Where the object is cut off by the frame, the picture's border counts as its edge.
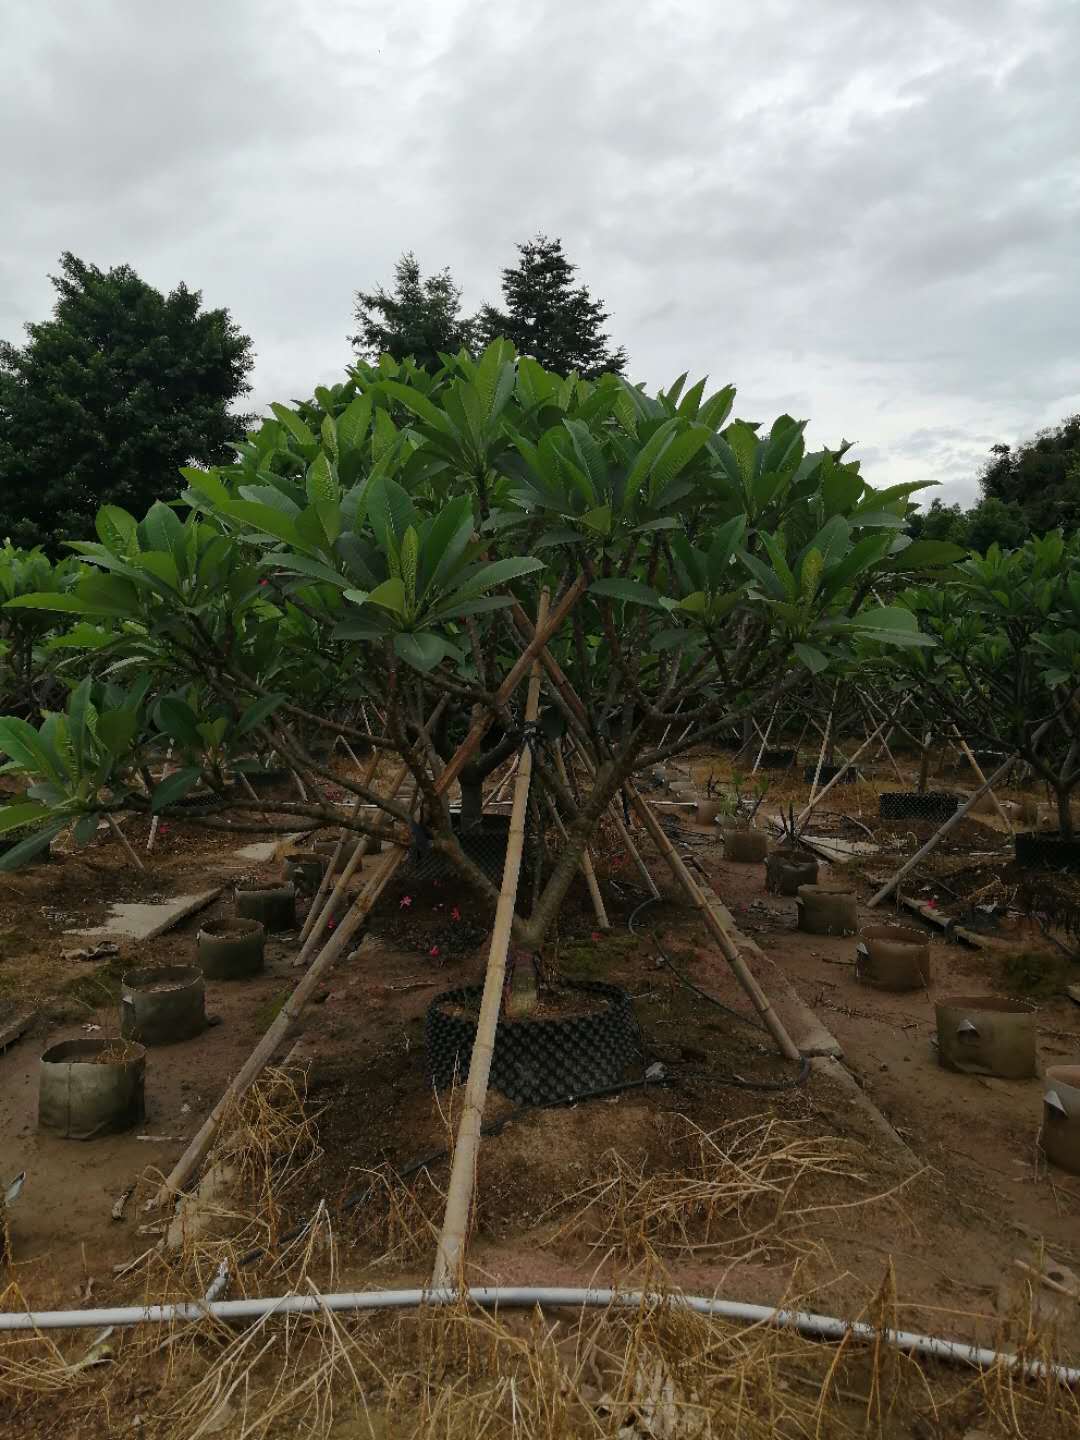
(807, 810)
(587, 868)
(459, 1193)
(970, 758)
(328, 874)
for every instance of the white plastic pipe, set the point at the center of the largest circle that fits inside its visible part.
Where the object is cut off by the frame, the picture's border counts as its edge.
(806, 1322)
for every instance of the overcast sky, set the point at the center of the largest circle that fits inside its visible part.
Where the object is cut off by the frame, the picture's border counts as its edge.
(863, 212)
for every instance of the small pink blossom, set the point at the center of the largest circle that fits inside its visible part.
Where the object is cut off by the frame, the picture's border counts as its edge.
(455, 913)
(596, 935)
(433, 951)
(406, 901)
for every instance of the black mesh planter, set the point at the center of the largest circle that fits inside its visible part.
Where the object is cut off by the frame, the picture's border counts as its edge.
(829, 772)
(1047, 850)
(484, 844)
(538, 1060)
(908, 805)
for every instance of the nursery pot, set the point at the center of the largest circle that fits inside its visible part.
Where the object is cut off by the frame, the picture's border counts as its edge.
(830, 772)
(88, 1088)
(231, 949)
(162, 1003)
(264, 779)
(1047, 850)
(538, 1059)
(746, 846)
(893, 957)
(777, 760)
(707, 811)
(824, 911)
(786, 870)
(273, 905)
(987, 1035)
(910, 805)
(306, 868)
(1061, 1117)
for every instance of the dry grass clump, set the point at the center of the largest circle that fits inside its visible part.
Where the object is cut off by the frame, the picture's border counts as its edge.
(734, 1193)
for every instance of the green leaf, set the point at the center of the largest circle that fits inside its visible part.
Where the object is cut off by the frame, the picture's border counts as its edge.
(255, 714)
(499, 572)
(32, 845)
(116, 729)
(20, 742)
(926, 555)
(14, 816)
(390, 595)
(175, 786)
(321, 482)
(814, 659)
(294, 424)
(180, 723)
(631, 591)
(424, 651)
(598, 519)
(116, 529)
(891, 625)
(352, 424)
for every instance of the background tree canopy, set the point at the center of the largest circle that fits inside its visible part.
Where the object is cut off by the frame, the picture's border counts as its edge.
(418, 317)
(545, 315)
(1025, 492)
(110, 397)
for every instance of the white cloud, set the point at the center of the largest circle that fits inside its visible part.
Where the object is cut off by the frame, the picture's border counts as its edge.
(863, 213)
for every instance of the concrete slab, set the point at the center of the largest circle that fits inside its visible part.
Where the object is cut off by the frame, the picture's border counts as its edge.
(135, 921)
(13, 1025)
(260, 852)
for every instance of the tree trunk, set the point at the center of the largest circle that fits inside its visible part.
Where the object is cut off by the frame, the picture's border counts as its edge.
(472, 799)
(1064, 809)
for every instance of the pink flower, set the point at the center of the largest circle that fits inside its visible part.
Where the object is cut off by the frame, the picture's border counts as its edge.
(455, 913)
(433, 951)
(596, 935)
(406, 901)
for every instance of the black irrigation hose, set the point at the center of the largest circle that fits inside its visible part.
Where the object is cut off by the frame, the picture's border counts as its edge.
(736, 1080)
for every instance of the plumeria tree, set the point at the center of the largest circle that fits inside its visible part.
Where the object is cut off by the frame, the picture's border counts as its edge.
(1006, 667)
(388, 542)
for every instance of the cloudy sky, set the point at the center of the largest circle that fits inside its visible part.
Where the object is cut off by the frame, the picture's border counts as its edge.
(864, 212)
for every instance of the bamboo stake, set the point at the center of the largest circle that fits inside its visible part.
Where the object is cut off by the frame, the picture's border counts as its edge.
(328, 874)
(156, 820)
(935, 839)
(505, 781)
(355, 860)
(125, 843)
(714, 925)
(805, 813)
(349, 750)
(764, 738)
(587, 868)
(463, 1170)
(260, 1057)
(824, 747)
(982, 778)
(624, 832)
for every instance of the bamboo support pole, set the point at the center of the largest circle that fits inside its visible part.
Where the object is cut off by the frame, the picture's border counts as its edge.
(764, 738)
(349, 750)
(156, 819)
(970, 758)
(505, 781)
(821, 753)
(714, 925)
(463, 1169)
(355, 860)
(624, 831)
(125, 843)
(588, 870)
(939, 835)
(260, 1057)
(807, 810)
(328, 874)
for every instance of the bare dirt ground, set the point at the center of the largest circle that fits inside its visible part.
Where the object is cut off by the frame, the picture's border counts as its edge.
(597, 1191)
